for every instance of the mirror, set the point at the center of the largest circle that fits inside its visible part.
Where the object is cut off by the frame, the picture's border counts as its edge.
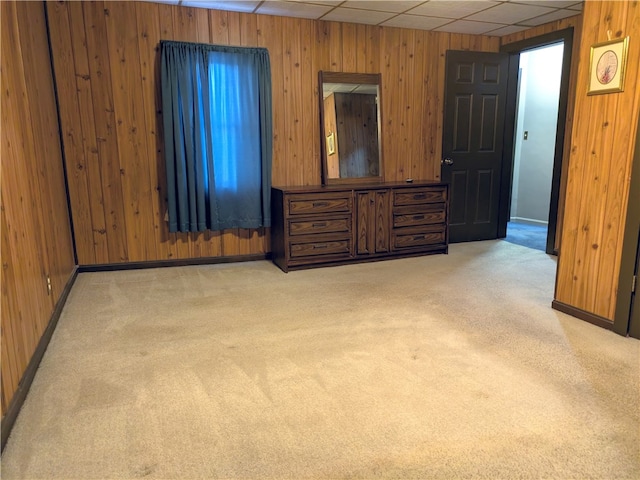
(350, 120)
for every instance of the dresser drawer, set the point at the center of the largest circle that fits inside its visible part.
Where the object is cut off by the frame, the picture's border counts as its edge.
(417, 196)
(320, 225)
(310, 204)
(420, 215)
(320, 248)
(419, 237)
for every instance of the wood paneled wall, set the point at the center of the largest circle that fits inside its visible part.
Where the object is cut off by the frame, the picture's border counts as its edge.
(602, 146)
(106, 65)
(36, 232)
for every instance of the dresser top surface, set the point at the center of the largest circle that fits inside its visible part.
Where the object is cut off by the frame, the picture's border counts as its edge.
(342, 188)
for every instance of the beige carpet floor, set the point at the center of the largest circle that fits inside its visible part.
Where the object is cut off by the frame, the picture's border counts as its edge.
(438, 367)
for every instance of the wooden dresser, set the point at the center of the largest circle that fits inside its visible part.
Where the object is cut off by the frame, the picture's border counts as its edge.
(333, 225)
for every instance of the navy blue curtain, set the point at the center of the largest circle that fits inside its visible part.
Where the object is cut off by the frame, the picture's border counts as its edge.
(216, 106)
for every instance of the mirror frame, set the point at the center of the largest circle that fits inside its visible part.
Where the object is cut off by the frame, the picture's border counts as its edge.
(356, 78)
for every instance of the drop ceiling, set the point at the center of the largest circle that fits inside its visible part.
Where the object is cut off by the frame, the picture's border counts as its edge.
(479, 17)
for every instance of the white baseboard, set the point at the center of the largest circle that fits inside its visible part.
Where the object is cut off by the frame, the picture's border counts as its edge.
(529, 221)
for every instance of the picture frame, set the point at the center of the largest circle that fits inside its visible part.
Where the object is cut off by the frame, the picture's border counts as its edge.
(331, 144)
(607, 66)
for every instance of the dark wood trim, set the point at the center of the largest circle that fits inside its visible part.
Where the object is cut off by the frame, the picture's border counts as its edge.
(506, 180)
(20, 395)
(323, 146)
(109, 267)
(515, 49)
(582, 315)
(628, 261)
(350, 77)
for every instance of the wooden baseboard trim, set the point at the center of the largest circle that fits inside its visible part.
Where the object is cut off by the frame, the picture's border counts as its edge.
(108, 267)
(20, 395)
(582, 315)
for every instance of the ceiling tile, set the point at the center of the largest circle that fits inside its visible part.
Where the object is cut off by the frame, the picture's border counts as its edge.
(332, 3)
(388, 6)
(419, 22)
(234, 6)
(547, 3)
(493, 17)
(466, 26)
(342, 14)
(293, 9)
(549, 17)
(451, 8)
(508, 30)
(510, 13)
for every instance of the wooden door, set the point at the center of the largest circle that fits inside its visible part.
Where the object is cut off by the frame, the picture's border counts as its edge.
(473, 133)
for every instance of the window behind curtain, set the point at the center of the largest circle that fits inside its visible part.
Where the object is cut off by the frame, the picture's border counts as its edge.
(218, 136)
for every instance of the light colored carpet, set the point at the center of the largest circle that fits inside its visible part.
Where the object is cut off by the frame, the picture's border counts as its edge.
(436, 367)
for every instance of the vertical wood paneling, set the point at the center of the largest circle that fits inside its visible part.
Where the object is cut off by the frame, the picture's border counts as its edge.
(131, 130)
(597, 186)
(269, 37)
(393, 89)
(148, 29)
(349, 55)
(35, 226)
(87, 125)
(105, 129)
(71, 125)
(416, 106)
(310, 105)
(121, 57)
(623, 147)
(294, 150)
(49, 176)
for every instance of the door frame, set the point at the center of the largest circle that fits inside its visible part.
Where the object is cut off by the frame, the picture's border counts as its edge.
(514, 49)
(622, 317)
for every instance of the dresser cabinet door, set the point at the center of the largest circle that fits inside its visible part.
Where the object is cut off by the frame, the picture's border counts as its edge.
(372, 222)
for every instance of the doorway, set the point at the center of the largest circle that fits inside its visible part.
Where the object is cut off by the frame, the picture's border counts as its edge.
(540, 74)
(564, 40)
(478, 150)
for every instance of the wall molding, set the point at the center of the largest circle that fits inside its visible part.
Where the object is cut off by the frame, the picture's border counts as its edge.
(20, 395)
(182, 262)
(529, 221)
(582, 315)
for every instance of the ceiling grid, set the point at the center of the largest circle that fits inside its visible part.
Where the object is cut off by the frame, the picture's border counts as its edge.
(479, 17)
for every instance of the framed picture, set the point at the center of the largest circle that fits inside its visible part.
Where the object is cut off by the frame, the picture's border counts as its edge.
(607, 66)
(331, 144)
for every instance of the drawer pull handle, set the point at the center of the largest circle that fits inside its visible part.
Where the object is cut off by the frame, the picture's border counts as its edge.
(419, 196)
(419, 237)
(320, 225)
(316, 247)
(320, 204)
(418, 217)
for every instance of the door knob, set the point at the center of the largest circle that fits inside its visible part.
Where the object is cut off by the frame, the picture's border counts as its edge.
(447, 161)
